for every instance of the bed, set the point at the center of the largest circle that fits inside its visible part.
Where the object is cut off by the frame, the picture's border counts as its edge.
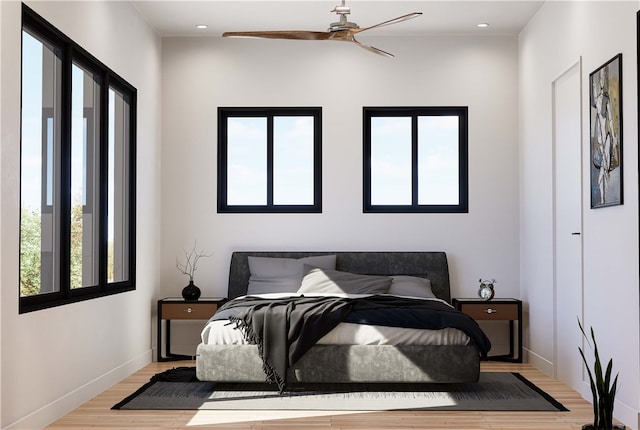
(373, 362)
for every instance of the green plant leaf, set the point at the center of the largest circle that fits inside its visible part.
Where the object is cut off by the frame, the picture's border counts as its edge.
(602, 390)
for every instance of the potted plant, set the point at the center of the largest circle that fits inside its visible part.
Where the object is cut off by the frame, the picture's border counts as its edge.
(191, 291)
(603, 389)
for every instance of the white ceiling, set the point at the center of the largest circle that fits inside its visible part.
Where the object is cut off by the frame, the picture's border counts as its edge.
(179, 18)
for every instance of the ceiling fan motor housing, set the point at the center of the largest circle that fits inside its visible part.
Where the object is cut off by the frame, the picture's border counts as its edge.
(342, 25)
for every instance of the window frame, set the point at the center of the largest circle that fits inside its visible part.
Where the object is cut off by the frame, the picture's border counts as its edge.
(463, 165)
(70, 53)
(269, 113)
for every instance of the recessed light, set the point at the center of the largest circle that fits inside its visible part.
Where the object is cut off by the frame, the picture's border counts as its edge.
(202, 26)
(483, 25)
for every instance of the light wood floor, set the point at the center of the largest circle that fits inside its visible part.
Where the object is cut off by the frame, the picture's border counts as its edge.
(96, 413)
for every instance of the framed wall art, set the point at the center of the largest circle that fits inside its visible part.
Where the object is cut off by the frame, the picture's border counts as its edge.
(605, 85)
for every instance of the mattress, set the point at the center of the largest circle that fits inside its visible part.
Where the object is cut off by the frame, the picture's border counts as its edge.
(223, 332)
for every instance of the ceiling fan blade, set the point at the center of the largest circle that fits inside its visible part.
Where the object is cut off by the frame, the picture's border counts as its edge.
(373, 49)
(393, 21)
(292, 34)
(343, 33)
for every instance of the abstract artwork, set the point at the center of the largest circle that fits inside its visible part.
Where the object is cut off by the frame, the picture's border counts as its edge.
(606, 134)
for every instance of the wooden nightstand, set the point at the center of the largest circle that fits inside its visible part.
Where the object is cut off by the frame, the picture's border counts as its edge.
(177, 308)
(497, 310)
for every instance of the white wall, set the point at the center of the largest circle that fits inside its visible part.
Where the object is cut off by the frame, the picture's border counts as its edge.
(201, 74)
(53, 360)
(556, 38)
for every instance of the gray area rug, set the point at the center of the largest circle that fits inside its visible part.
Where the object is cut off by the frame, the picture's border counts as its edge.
(496, 391)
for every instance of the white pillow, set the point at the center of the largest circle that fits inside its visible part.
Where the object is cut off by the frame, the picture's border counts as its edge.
(402, 285)
(282, 275)
(319, 280)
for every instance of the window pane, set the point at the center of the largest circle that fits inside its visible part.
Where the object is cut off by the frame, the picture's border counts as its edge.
(85, 174)
(246, 161)
(438, 158)
(118, 185)
(390, 160)
(293, 160)
(40, 181)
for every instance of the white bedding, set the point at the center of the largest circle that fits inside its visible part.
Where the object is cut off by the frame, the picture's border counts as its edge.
(221, 332)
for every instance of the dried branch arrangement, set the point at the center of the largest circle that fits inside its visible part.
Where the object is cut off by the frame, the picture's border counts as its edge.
(191, 265)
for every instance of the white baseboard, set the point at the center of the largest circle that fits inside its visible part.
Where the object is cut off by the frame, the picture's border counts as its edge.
(70, 401)
(627, 414)
(537, 361)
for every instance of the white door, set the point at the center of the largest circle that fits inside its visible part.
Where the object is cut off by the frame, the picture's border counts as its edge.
(568, 225)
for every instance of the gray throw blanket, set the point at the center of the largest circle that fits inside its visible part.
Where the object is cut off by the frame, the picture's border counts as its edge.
(284, 329)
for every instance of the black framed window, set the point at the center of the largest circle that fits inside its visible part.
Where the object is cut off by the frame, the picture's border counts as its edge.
(77, 183)
(269, 159)
(415, 159)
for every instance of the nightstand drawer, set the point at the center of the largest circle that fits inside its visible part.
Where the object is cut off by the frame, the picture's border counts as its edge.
(188, 311)
(490, 311)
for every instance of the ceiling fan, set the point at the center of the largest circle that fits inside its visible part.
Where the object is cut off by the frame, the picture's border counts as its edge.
(343, 30)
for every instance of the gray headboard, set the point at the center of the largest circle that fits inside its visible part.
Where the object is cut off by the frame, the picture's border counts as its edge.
(432, 265)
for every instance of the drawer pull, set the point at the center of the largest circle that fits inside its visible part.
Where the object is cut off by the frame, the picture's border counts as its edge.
(188, 310)
(490, 311)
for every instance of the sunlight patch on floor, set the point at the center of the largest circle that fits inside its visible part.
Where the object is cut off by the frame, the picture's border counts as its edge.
(201, 418)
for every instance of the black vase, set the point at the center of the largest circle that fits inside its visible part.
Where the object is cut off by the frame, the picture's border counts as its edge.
(191, 292)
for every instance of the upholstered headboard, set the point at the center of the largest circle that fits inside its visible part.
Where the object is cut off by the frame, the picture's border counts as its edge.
(432, 265)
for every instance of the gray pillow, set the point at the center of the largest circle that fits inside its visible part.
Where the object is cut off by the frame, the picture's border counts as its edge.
(319, 280)
(402, 285)
(282, 275)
